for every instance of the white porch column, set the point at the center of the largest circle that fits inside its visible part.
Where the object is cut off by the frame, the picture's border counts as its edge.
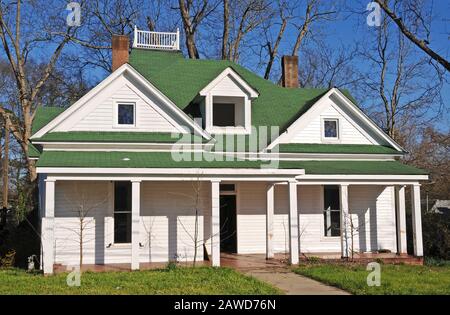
(293, 223)
(269, 220)
(47, 226)
(135, 223)
(215, 222)
(401, 220)
(417, 220)
(345, 235)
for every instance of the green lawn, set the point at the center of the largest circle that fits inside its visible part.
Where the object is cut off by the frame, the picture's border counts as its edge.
(395, 279)
(202, 280)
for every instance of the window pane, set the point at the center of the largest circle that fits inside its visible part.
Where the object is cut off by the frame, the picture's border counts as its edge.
(331, 197)
(332, 222)
(122, 212)
(122, 228)
(330, 127)
(126, 114)
(122, 196)
(223, 115)
(332, 213)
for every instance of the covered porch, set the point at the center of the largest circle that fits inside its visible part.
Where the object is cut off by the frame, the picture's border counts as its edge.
(278, 216)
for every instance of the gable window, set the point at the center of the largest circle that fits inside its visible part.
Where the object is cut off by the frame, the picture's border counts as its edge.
(125, 114)
(332, 211)
(224, 115)
(331, 128)
(122, 212)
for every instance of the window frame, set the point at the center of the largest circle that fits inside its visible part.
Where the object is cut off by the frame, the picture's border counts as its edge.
(329, 210)
(117, 103)
(338, 130)
(120, 212)
(241, 127)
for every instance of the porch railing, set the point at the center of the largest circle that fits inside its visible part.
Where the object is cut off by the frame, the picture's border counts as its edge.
(156, 40)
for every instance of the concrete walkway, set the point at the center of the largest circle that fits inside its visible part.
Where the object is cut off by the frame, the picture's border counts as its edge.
(278, 274)
(294, 284)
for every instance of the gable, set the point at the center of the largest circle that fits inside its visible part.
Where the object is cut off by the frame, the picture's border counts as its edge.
(349, 131)
(229, 83)
(355, 128)
(227, 86)
(99, 113)
(97, 110)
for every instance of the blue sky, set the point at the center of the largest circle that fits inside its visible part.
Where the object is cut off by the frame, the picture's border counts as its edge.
(350, 28)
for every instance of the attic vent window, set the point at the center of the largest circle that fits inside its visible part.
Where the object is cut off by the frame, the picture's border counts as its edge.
(126, 114)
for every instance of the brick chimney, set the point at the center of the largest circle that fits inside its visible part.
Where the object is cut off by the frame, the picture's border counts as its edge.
(289, 65)
(120, 46)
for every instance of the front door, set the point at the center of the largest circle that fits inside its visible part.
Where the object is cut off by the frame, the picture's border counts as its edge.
(228, 236)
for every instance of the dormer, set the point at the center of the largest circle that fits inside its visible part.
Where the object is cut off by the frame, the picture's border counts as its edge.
(227, 104)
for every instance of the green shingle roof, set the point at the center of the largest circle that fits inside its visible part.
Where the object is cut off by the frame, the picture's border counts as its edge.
(33, 152)
(336, 148)
(44, 115)
(115, 136)
(182, 79)
(165, 160)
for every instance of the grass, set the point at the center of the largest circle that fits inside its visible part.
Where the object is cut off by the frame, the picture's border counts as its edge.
(395, 279)
(202, 280)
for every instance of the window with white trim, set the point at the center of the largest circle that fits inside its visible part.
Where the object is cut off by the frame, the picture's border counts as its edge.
(224, 115)
(126, 114)
(331, 129)
(122, 212)
(332, 211)
(228, 111)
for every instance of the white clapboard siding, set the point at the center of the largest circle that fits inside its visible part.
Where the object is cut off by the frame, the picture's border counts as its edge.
(365, 202)
(167, 223)
(98, 114)
(168, 211)
(251, 218)
(312, 132)
(70, 197)
(227, 87)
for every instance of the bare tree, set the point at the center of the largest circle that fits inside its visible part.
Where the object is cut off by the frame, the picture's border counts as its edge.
(413, 7)
(18, 41)
(242, 18)
(83, 205)
(326, 67)
(196, 204)
(193, 12)
(399, 78)
(5, 167)
(315, 11)
(285, 13)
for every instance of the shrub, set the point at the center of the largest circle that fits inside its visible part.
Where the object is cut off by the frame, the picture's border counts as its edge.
(436, 235)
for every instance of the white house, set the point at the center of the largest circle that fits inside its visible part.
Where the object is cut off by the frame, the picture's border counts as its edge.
(169, 156)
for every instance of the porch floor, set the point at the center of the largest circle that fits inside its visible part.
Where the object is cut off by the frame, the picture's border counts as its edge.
(254, 261)
(388, 258)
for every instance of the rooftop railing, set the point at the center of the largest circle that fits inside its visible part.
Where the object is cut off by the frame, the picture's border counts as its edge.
(156, 40)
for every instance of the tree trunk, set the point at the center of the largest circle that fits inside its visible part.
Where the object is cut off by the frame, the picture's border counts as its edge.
(81, 243)
(274, 51)
(191, 47)
(226, 29)
(6, 167)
